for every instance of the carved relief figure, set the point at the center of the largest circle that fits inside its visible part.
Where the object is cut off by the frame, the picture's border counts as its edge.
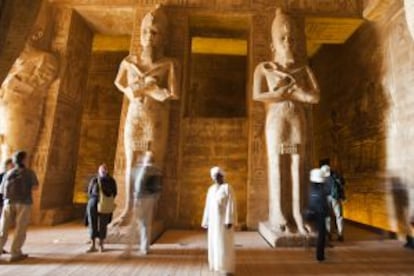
(23, 94)
(149, 82)
(284, 85)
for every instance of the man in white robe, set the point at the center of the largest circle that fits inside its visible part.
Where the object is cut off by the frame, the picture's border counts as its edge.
(219, 218)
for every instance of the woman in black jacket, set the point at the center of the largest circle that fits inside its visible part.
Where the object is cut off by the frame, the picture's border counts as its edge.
(318, 207)
(98, 222)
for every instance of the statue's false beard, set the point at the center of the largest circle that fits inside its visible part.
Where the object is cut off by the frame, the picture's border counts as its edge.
(286, 58)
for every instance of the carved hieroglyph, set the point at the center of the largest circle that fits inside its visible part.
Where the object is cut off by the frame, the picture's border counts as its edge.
(149, 82)
(23, 93)
(285, 85)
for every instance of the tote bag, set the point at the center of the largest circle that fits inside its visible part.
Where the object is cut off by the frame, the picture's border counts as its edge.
(106, 204)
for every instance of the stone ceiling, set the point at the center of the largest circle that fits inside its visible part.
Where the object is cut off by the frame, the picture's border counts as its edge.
(112, 21)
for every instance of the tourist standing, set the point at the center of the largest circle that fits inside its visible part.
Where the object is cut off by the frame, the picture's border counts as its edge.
(16, 187)
(102, 185)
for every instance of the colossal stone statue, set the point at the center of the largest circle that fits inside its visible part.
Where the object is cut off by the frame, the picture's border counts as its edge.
(284, 85)
(23, 93)
(149, 82)
(409, 15)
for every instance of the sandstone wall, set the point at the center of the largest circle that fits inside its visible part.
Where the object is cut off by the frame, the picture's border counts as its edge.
(365, 120)
(15, 26)
(100, 120)
(56, 158)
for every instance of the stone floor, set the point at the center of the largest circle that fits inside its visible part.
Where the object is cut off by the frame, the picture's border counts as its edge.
(60, 251)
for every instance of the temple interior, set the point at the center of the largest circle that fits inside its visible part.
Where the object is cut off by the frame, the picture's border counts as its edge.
(361, 53)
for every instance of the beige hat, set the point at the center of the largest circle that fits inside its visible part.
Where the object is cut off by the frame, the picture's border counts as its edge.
(317, 176)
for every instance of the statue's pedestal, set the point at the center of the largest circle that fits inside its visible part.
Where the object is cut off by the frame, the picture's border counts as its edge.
(283, 239)
(121, 234)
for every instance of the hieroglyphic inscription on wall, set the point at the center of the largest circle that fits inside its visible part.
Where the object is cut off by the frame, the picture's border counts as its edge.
(337, 7)
(206, 143)
(72, 41)
(373, 89)
(179, 48)
(100, 120)
(15, 24)
(257, 196)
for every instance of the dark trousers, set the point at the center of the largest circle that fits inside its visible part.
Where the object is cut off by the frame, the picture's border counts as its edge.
(97, 222)
(320, 244)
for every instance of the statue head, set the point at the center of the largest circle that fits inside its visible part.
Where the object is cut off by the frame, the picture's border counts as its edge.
(283, 39)
(154, 29)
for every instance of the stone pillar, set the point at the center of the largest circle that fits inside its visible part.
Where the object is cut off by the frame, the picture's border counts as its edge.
(257, 195)
(56, 157)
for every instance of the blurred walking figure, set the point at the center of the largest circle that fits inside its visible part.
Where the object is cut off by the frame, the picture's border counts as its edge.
(318, 208)
(147, 188)
(102, 187)
(16, 187)
(335, 196)
(219, 218)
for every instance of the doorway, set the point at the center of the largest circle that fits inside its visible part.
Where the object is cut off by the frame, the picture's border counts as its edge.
(214, 124)
(100, 120)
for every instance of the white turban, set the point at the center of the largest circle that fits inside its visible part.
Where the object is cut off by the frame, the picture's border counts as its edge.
(326, 170)
(214, 171)
(317, 176)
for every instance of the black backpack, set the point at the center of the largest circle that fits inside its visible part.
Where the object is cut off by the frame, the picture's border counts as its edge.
(15, 187)
(337, 191)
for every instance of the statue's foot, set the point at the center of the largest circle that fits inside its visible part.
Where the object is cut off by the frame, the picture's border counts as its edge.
(303, 231)
(120, 221)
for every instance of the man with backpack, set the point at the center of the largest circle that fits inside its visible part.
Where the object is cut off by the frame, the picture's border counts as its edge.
(16, 187)
(336, 195)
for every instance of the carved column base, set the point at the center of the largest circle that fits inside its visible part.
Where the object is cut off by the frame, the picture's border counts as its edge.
(121, 234)
(284, 239)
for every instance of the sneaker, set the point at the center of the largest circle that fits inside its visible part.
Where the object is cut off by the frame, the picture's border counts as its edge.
(15, 258)
(341, 238)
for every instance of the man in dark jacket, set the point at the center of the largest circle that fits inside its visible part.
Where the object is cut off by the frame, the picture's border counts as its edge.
(16, 187)
(318, 206)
